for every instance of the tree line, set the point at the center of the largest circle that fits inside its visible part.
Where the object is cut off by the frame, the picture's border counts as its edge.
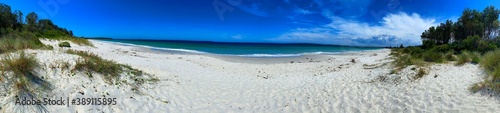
(14, 21)
(474, 31)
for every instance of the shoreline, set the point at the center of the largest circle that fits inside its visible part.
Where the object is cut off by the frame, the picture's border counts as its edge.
(251, 55)
(265, 59)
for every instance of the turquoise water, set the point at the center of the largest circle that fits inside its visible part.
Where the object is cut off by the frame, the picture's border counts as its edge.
(242, 49)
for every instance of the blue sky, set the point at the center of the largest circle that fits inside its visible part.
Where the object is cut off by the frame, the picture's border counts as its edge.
(340, 22)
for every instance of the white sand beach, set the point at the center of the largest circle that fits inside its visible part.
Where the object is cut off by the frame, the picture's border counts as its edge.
(312, 84)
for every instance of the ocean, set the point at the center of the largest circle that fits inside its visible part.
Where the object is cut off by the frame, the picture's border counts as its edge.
(240, 49)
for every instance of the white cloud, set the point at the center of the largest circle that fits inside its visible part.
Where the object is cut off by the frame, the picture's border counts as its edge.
(237, 37)
(395, 29)
(302, 11)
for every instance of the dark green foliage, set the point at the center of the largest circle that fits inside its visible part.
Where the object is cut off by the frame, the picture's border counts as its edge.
(64, 44)
(16, 35)
(475, 43)
(13, 21)
(50, 30)
(471, 31)
(428, 44)
(471, 42)
(438, 35)
(7, 19)
(31, 20)
(441, 48)
(490, 20)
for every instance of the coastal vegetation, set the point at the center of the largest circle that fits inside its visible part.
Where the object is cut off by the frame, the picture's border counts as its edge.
(466, 41)
(14, 25)
(111, 70)
(19, 70)
(64, 44)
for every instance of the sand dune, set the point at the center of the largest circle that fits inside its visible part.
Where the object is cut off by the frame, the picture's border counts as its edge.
(212, 83)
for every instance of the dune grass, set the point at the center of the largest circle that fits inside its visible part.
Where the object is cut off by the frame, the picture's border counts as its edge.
(421, 73)
(14, 42)
(431, 56)
(406, 57)
(491, 64)
(93, 63)
(19, 73)
(449, 56)
(110, 70)
(463, 58)
(468, 57)
(78, 41)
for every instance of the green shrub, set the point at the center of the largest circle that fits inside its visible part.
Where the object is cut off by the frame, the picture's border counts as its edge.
(64, 44)
(430, 56)
(416, 51)
(54, 33)
(471, 42)
(441, 48)
(484, 46)
(428, 44)
(458, 46)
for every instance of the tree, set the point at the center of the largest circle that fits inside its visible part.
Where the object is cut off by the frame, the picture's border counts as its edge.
(448, 29)
(31, 20)
(490, 16)
(471, 21)
(6, 16)
(7, 19)
(19, 19)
